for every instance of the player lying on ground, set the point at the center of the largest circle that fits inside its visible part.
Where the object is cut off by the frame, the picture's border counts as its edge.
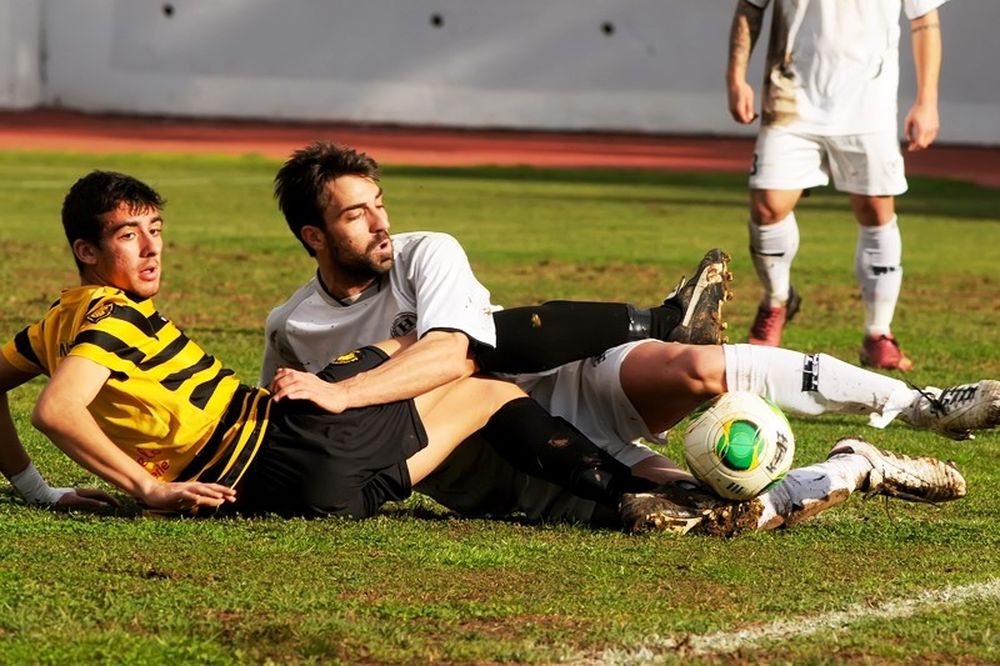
(135, 401)
(369, 283)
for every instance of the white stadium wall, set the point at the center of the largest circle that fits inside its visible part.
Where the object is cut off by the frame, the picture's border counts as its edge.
(634, 65)
(20, 54)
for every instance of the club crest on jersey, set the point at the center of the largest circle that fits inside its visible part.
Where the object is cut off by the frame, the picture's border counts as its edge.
(403, 324)
(344, 359)
(100, 313)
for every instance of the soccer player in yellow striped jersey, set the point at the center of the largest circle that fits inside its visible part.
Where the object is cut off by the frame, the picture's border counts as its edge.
(135, 401)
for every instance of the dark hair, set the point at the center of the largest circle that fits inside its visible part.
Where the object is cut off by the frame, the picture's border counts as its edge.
(300, 185)
(98, 193)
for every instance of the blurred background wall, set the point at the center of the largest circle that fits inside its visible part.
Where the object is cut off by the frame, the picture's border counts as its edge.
(631, 65)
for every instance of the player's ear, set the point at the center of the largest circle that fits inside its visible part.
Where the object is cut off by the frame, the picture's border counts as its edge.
(85, 252)
(313, 237)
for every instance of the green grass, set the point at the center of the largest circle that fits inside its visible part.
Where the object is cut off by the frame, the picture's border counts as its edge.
(418, 585)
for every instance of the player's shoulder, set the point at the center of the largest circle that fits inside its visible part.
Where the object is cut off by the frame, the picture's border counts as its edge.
(424, 243)
(280, 314)
(92, 302)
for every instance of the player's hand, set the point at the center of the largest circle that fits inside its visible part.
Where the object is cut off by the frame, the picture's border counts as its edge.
(186, 495)
(291, 384)
(86, 498)
(921, 126)
(741, 102)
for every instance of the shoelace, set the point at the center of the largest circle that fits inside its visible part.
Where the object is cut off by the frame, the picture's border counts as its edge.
(937, 406)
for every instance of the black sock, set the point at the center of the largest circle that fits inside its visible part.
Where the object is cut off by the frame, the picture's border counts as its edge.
(663, 319)
(541, 337)
(535, 442)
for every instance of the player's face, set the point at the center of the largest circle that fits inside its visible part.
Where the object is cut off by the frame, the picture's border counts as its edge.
(357, 228)
(128, 256)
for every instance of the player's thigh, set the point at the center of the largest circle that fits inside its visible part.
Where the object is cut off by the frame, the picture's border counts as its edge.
(456, 411)
(475, 480)
(867, 164)
(784, 160)
(589, 395)
(665, 381)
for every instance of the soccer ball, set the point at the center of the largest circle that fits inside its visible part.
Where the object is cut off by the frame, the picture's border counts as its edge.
(739, 444)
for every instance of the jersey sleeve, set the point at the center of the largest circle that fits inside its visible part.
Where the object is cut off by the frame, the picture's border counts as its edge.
(449, 297)
(23, 352)
(917, 8)
(760, 4)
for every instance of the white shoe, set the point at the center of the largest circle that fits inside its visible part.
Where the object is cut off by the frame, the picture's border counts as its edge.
(957, 410)
(920, 479)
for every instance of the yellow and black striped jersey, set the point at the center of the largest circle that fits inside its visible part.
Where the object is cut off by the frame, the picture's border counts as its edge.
(175, 409)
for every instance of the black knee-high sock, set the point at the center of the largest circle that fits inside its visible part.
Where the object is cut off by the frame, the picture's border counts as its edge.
(541, 337)
(535, 442)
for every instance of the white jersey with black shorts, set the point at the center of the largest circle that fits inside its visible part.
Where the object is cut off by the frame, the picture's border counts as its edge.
(829, 99)
(431, 286)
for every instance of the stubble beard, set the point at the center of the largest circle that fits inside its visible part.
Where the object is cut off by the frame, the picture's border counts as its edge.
(365, 266)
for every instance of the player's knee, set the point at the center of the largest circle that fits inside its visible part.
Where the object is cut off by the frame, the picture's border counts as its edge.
(766, 209)
(703, 369)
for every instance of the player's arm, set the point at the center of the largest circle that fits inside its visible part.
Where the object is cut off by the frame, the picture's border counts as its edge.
(743, 34)
(922, 122)
(415, 367)
(17, 466)
(61, 413)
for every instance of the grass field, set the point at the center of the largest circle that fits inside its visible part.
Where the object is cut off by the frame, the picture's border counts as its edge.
(865, 583)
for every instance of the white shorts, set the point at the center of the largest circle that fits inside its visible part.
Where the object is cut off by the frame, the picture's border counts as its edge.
(867, 164)
(475, 480)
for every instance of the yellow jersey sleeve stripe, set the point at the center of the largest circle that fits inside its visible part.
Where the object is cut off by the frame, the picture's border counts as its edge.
(22, 343)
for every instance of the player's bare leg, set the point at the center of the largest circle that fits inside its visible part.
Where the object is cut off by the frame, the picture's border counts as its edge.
(774, 241)
(853, 465)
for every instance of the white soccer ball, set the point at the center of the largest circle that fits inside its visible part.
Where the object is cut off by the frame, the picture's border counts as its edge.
(739, 444)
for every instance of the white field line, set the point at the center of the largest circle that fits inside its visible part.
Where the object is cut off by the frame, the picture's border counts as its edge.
(723, 642)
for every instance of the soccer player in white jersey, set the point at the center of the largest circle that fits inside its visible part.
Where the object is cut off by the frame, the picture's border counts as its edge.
(369, 285)
(828, 109)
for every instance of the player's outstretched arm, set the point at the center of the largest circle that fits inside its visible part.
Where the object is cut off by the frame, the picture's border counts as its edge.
(61, 413)
(747, 20)
(922, 122)
(415, 368)
(17, 466)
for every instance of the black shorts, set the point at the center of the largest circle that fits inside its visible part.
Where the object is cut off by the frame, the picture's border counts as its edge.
(313, 463)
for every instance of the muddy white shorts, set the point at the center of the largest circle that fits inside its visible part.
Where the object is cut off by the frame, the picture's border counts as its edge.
(867, 164)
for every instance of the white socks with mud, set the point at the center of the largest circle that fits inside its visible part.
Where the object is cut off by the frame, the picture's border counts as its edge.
(806, 491)
(772, 248)
(812, 384)
(878, 268)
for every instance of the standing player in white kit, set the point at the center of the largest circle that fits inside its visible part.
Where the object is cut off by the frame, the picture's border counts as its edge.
(828, 109)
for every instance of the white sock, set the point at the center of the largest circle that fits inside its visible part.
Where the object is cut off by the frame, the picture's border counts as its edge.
(772, 248)
(812, 384)
(878, 268)
(808, 490)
